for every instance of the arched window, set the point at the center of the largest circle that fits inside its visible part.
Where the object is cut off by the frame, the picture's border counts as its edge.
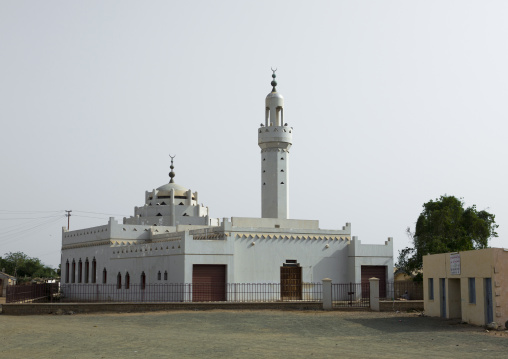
(143, 280)
(67, 271)
(127, 280)
(119, 281)
(94, 271)
(80, 270)
(87, 269)
(165, 275)
(104, 276)
(159, 275)
(73, 273)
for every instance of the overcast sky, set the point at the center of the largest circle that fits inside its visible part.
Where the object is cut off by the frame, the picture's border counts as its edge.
(393, 103)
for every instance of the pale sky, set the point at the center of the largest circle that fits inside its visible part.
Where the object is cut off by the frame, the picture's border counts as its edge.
(393, 103)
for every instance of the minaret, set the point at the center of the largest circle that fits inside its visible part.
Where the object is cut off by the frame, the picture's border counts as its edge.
(275, 139)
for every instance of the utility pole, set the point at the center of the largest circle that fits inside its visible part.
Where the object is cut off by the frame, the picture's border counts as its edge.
(68, 215)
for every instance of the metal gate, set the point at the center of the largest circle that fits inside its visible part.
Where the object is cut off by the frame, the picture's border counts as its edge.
(351, 295)
(489, 317)
(442, 296)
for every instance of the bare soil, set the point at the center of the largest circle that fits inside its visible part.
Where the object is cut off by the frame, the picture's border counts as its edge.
(245, 334)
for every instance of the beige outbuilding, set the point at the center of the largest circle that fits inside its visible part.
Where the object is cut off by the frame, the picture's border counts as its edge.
(5, 280)
(471, 285)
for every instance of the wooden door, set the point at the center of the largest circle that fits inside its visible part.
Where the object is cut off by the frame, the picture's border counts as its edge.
(291, 282)
(373, 272)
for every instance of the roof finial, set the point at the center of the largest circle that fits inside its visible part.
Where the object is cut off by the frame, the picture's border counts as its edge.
(172, 174)
(274, 83)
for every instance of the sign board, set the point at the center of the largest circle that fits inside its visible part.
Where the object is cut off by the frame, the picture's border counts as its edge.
(454, 263)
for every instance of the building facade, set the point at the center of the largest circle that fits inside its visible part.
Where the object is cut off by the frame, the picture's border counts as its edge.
(471, 285)
(172, 239)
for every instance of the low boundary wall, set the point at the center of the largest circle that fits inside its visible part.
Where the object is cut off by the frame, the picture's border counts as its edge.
(400, 305)
(75, 308)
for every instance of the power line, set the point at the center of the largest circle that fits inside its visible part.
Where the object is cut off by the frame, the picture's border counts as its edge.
(23, 232)
(18, 227)
(19, 218)
(79, 215)
(10, 212)
(108, 214)
(28, 212)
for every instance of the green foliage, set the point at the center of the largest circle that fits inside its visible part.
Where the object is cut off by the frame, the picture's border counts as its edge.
(20, 265)
(446, 226)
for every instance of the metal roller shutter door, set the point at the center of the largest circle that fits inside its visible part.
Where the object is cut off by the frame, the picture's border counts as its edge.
(208, 283)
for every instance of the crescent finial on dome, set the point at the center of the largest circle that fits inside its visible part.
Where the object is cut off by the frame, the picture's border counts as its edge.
(172, 173)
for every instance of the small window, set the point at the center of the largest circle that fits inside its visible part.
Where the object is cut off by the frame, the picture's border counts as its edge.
(165, 275)
(282, 183)
(104, 276)
(127, 280)
(119, 281)
(159, 275)
(282, 170)
(282, 158)
(143, 280)
(87, 269)
(472, 290)
(80, 270)
(431, 288)
(94, 270)
(159, 215)
(181, 204)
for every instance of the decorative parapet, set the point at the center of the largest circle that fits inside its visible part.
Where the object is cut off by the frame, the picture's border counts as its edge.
(209, 234)
(87, 244)
(292, 237)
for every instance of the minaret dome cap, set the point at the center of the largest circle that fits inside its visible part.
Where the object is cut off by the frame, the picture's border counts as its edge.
(274, 98)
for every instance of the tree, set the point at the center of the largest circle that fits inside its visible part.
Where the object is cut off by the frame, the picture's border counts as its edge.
(446, 226)
(20, 265)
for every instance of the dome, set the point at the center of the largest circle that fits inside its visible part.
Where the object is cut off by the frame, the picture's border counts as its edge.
(274, 95)
(165, 190)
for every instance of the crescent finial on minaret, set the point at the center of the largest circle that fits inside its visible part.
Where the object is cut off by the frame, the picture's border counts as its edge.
(172, 174)
(273, 83)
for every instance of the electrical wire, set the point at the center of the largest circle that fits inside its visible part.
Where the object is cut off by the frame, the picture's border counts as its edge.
(21, 233)
(108, 214)
(28, 212)
(18, 218)
(81, 216)
(18, 226)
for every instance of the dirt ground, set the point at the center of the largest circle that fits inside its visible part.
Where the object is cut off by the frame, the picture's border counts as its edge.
(245, 334)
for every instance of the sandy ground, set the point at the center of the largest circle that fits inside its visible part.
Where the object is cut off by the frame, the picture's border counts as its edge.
(245, 334)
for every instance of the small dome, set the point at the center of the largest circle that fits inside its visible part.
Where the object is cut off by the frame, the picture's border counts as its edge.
(165, 190)
(274, 95)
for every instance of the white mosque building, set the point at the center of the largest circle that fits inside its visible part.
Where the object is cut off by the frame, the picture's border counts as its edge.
(172, 239)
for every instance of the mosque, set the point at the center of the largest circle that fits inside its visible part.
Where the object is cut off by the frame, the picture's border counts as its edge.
(172, 239)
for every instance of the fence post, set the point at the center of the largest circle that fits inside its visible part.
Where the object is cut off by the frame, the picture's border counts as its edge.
(327, 294)
(374, 294)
